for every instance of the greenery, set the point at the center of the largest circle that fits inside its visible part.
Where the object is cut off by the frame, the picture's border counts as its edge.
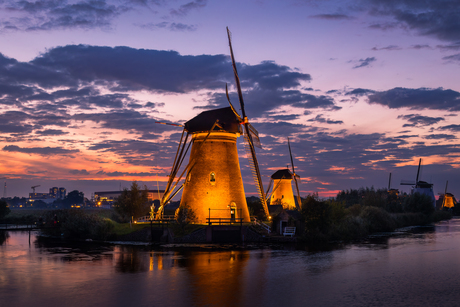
(184, 216)
(77, 225)
(4, 210)
(354, 214)
(133, 203)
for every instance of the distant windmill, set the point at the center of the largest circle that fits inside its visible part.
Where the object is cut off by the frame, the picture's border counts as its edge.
(448, 200)
(419, 186)
(33, 188)
(282, 186)
(390, 190)
(213, 184)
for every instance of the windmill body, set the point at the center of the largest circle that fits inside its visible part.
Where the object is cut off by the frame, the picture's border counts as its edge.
(282, 189)
(213, 185)
(421, 187)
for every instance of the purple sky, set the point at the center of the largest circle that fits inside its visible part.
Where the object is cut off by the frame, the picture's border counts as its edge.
(362, 88)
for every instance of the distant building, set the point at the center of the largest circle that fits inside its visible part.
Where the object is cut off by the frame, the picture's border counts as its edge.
(54, 193)
(106, 199)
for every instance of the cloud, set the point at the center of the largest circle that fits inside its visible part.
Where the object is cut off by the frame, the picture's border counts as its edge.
(453, 128)
(332, 16)
(320, 119)
(185, 9)
(417, 120)
(173, 26)
(365, 62)
(78, 172)
(418, 47)
(48, 132)
(60, 14)
(455, 57)
(360, 92)
(40, 150)
(422, 98)
(429, 18)
(388, 48)
(440, 136)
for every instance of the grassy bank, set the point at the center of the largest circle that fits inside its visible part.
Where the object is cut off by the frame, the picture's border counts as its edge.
(334, 221)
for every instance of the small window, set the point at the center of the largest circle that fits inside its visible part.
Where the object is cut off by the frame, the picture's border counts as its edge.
(212, 178)
(189, 175)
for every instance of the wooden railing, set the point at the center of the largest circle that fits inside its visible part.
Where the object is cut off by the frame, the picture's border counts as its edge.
(224, 220)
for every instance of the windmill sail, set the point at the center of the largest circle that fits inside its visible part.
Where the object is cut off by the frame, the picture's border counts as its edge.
(299, 201)
(248, 134)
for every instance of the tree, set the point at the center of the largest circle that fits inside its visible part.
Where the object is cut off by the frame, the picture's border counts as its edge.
(74, 198)
(133, 202)
(4, 209)
(184, 216)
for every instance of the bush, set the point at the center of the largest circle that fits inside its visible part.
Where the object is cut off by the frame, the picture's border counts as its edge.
(377, 220)
(77, 225)
(418, 203)
(4, 210)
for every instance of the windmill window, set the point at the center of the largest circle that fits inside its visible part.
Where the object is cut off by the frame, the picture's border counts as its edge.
(212, 178)
(189, 175)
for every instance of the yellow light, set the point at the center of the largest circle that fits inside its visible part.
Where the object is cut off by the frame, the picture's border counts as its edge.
(269, 217)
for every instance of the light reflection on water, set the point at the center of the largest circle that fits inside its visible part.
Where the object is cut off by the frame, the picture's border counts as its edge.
(419, 268)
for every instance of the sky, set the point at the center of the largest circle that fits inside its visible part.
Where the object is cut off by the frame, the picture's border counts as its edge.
(363, 88)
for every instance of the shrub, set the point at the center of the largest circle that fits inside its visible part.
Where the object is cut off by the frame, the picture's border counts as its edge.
(418, 203)
(377, 220)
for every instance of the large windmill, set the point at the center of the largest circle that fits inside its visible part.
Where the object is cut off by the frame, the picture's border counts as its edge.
(213, 184)
(419, 186)
(282, 187)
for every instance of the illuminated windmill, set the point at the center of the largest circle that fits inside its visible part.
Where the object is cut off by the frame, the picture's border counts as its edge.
(213, 184)
(448, 199)
(421, 187)
(282, 187)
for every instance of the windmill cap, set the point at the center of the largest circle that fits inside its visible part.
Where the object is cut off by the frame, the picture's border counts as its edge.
(205, 120)
(282, 174)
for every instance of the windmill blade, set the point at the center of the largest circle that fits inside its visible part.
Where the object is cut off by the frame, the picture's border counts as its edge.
(407, 182)
(299, 200)
(255, 136)
(176, 125)
(269, 186)
(248, 136)
(295, 179)
(292, 160)
(237, 79)
(231, 105)
(418, 171)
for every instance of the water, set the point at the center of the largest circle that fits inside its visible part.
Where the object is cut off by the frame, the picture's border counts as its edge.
(421, 267)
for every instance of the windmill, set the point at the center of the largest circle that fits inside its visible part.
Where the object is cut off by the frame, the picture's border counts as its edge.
(419, 186)
(282, 186)
(390, 190)
(448, 199)
(213, 185)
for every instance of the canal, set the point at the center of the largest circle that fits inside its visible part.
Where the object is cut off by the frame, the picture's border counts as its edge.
(416, 267)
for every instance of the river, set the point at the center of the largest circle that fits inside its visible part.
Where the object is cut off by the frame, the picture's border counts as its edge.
(420, 267)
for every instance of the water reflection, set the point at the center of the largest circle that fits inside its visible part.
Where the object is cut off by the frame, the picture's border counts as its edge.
(407, 269)
(3, 236)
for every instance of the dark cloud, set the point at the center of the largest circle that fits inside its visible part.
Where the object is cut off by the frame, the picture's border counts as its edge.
(452, 128)
(360, 92)
(320, 119)
(173, 26)
(406, 136)
(48, 132)
(422, 98)
(453, 46)
(455, 57)
(440, 136)
(365, 62)
(184, 9)
(437, 18)
(40, 150)
(79, 172)
(388, 48)
(417, 120)
(332, 16)
(60, 14)
(418, 47)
